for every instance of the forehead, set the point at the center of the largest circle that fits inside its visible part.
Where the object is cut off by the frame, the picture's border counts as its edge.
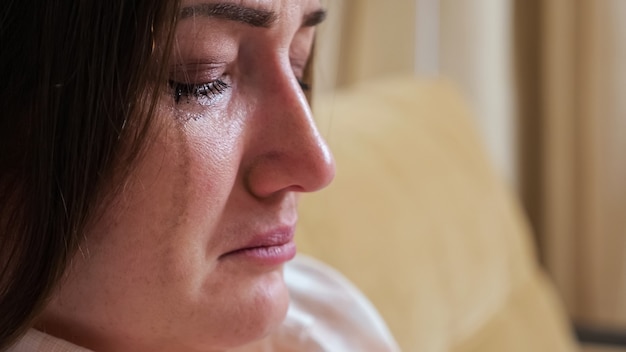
(283, 10)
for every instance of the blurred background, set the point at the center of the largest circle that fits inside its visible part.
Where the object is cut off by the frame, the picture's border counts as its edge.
(546, 80)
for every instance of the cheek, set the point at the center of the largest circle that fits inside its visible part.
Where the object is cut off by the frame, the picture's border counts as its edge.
(150, 263)
(212, 157)
(152, 243)
(167, 212)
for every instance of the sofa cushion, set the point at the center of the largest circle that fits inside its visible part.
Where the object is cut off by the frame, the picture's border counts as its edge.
(418, 219)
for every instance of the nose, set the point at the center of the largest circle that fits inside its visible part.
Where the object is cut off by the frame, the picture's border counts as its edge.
(285, 150)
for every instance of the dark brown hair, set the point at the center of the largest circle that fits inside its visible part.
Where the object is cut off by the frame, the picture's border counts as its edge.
(78, 87)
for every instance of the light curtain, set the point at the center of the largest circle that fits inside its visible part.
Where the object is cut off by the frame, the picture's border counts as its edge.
(547, 80)
(583, 160)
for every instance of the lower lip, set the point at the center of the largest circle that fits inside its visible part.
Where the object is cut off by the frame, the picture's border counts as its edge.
(266, 255)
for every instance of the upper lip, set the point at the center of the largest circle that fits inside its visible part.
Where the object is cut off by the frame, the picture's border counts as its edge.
(276, 237)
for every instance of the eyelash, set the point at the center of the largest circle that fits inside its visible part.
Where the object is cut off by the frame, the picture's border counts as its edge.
(303, 85)
(209, 90)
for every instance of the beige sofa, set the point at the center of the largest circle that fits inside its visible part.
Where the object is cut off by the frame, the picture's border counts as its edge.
(418, 220)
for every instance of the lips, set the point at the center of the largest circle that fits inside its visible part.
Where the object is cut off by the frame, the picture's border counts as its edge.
(269, 249)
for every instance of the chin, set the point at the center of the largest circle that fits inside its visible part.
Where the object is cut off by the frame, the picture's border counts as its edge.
(254, 311)
(269, 305)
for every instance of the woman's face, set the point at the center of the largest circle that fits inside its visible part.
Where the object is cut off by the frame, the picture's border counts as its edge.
(189, 255)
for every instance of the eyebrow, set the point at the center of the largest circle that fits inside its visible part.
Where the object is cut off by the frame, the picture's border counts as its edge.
(232, 12)
(314, 18)
(246, 15)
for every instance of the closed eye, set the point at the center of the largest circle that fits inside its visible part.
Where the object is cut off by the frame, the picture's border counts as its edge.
(190, 90)
(303, 85)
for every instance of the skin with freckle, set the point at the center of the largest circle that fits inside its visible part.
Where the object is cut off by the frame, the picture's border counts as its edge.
(232, 145)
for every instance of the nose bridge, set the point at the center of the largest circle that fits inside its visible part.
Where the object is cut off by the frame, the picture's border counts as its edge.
(291, 153)
(294, 116)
